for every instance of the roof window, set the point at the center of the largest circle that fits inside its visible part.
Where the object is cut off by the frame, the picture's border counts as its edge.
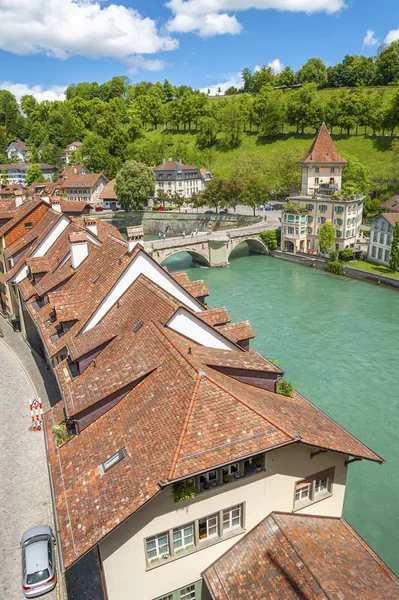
(113, 460)
(97, 277)
(137, 327)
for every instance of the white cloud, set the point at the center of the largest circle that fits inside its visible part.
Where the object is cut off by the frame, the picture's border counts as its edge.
(392, 36)
(55, 92)
(63, 28)
(233, 80)
(138, 62)
(369, 39)
(211, 17)
(276, 66)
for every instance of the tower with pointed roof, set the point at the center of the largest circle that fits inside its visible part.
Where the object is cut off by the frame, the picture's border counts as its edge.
(322, 165)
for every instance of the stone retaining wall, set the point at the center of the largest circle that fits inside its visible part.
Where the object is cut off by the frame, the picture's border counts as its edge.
(366, 276)
(176, 223)
(308, 261)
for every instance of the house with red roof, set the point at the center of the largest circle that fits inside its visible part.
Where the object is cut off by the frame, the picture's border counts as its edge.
(170, 443)
(17, 150)
(174, 177)
(321, 199)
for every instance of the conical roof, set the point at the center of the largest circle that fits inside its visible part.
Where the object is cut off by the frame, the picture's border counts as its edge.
(323, 150)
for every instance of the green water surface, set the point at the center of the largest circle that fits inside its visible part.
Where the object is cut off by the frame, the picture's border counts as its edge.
(337, 340)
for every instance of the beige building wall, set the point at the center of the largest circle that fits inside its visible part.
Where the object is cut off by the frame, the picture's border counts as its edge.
(123, 552)
(313, 176)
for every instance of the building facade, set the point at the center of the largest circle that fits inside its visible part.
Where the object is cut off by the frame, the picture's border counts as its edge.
(69, 152)
(174, 177)
(16, 173)
(321, 200)
(381, 231)
(82, 188)
(17, 150)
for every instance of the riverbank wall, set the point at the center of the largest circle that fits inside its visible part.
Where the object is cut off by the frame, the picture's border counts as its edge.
(321, 263)
(176, 223)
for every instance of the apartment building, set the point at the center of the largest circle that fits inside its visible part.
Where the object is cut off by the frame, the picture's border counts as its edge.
(173, 444)
(16, 172)
(81, 187)
(381, 232)
(321, 200)
(174, 177)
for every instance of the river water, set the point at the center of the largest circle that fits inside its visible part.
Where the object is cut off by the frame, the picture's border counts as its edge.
(337, 340)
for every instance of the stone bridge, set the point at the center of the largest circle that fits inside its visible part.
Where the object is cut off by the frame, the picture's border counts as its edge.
(212, 249)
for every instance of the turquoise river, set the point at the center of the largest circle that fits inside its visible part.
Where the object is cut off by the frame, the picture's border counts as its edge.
(337, 340)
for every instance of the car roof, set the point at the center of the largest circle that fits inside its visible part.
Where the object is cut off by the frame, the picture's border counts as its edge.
(38, 530)
(36, 557)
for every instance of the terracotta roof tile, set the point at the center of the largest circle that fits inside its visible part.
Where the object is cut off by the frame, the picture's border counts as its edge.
(323, 150)
(238, 332)
(19, 213)
(295, 556)
(109, 192)
(392, 204)
(215, 316)
(172, 165)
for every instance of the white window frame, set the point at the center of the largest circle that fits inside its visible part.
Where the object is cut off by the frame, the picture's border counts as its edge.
(184, 544)
(310, 485)
(187, 593)
(228, 512)
(213, 517)
(159, 554)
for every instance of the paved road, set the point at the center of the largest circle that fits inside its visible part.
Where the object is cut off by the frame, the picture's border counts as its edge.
(25, 498)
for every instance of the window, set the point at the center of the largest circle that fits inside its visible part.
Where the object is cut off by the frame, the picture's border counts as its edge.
(323, 207)
(375, 237)
(386, 258)
(332, 170)
(183, 537)
(313, 488)
(188, 593)
(373, 251)
(322, 220)
(317, 170)
(310, 219)
(339, 209)
(380, 253)
(388, 240)
(232, 518)
(157, 547)
(208, 527)
(382, 236)
(316, 180)
(338, 233)
(167, 597)
(28, 225)
(310, 229)
(113, 460)
(231, 471)
(309, 207)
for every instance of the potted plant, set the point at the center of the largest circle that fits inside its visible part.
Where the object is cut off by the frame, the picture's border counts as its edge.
(205, 485)
(258, 467)
(226, 478)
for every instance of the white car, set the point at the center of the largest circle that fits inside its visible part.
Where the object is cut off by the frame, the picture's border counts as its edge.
(39, 574)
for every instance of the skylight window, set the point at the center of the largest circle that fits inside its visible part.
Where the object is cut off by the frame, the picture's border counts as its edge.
(113, 460)
(97, 277)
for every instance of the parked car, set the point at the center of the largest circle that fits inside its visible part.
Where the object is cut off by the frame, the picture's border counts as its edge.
(39, 573)
(209, 212)
(223, 212)
(266, 207)
(159, 208)
(99, 208)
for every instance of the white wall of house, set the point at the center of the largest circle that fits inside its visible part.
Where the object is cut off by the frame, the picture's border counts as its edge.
(381, 233)
(15, 153)
(124, 552)
(191, 327)
(315, 175)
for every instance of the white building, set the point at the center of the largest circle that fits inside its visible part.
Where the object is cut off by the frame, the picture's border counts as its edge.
(174, 177)
(17, 150)
(69, 151)
(16, 173)
(381, 237)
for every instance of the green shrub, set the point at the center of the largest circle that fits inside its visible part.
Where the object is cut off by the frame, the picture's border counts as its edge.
(270, 239)
(346, 254)
(334, 266)
(333, 255)
(285, 388)
(184, 490)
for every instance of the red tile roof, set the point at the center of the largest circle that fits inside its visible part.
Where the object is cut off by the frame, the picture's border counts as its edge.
(74, 207)
(20, 144)
(172, 165)
(80, 181)
(19, 213)
(392, 204)
(323, 150)
(392, 217)
(298, 557)
(109, 192)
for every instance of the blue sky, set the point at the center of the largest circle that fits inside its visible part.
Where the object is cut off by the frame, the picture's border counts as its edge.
(44, 46)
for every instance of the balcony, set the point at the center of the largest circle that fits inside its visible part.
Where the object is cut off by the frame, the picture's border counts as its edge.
(217, 478)
(295, 236)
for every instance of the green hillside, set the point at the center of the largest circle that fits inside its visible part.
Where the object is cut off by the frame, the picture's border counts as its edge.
(372, 151)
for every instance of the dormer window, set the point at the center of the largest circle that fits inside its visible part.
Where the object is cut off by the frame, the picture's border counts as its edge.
(113, 460)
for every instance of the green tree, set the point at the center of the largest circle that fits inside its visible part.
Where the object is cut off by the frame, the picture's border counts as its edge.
(387, 64)
(326, 236)
(34, 175)
(232, 121)
(287, 77)
(304, 108)
(394, 258)
(355, 178)
(135, 184)
(215, 194)
(313, 71)
(209, 128)
(4, 177)
(231, 91)
(268, 107)
(270, 239)
(247, 78)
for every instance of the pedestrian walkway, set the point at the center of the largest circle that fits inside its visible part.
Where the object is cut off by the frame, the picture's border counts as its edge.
(25, 498)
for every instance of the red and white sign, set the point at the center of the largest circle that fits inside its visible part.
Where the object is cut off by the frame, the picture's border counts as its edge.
(36, 411)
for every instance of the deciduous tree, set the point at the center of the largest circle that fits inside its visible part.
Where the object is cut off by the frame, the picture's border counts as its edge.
(326, 236)
(135, 184)
(34, 175)
(394, 258)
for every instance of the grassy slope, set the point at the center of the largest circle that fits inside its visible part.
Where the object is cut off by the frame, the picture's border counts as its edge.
(371, 268)
(372, 151)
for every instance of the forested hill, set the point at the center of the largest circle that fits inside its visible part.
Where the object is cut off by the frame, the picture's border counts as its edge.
(117, 121)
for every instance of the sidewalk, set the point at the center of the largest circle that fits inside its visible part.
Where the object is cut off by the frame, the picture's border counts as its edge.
(25, 498)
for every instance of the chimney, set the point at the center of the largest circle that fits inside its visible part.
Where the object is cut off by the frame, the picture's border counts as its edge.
(55, 204)
(91, 224)
(79, 248)
(18, 199)
(135, 235)
(164, 161)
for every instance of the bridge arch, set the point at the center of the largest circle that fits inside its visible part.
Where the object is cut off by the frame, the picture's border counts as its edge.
(255, 245)
(197, 257)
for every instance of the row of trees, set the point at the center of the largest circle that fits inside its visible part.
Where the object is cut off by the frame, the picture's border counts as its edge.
(353, 71)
